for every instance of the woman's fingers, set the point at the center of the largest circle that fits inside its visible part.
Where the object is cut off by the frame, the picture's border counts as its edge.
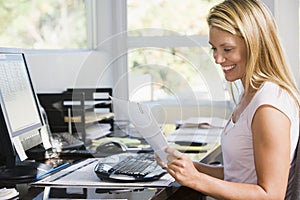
(159, 161)
(173, 158)
(173, 155)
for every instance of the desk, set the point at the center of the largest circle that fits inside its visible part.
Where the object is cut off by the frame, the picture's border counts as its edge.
(173, 192)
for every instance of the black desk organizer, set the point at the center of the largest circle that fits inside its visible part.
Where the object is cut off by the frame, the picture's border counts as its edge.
(75, 109)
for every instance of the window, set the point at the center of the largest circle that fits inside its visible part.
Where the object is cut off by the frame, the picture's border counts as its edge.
(186, 18)
(51, 24)
(172, 73)
(169, 57)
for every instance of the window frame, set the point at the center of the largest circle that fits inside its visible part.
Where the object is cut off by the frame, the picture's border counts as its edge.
(279, 9)
(282, 12)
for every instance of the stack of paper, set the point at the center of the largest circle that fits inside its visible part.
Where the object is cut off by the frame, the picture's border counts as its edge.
(194, 129)
(203, 122)
(8, 193)
(97, 130)
(195, 135)
(125, 140)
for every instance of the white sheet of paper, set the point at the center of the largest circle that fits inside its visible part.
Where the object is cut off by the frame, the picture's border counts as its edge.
(141, 117)
(45, 137)
(212, 122)
(195, 135)
(19, 148)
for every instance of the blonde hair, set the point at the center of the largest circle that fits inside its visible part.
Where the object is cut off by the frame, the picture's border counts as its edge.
(252, 21)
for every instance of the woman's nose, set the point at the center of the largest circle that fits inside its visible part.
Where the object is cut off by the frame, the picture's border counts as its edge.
(219, 58)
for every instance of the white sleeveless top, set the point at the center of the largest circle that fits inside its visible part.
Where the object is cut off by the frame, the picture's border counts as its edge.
(237, 145)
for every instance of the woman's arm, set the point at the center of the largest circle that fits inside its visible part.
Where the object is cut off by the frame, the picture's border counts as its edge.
(271, 145)
(270, 129)
(214, 171)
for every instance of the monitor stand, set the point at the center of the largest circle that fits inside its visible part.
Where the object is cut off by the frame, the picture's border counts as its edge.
(22, 173)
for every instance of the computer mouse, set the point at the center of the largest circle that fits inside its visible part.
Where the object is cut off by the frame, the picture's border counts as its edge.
(110, 148)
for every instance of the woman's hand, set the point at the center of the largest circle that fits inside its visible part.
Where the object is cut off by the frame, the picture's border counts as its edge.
(180, 167)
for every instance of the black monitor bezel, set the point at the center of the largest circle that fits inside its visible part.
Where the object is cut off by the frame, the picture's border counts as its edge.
(6, 134)
(35, 126)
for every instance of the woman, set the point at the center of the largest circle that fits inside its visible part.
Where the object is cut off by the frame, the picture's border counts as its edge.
(259, 141)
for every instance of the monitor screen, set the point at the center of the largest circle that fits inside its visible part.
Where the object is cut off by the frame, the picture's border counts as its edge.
(21, 115)
(21, 121)
(17, 95)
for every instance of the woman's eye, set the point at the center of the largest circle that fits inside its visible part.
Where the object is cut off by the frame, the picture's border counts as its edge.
(227, 49)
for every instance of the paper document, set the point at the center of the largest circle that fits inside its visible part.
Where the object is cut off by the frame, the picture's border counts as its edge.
(45, 137)
(8, 193)
(195, 135)
(142, 118)
(194, 138)
(19, 148)
(204, 122)
(97, 130)
(82, 175)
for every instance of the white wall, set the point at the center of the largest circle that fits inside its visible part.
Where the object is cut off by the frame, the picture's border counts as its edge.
(287, 18)
(56, 71)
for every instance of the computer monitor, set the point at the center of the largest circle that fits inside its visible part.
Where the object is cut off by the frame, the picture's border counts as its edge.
(20, 114)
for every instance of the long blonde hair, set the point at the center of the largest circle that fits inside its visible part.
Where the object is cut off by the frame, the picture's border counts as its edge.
(252, 21)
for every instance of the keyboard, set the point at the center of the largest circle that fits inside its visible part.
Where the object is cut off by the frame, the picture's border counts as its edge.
(129, 167)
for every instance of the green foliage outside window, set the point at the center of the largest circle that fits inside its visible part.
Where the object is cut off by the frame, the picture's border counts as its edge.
(174, 71)
(39, 24)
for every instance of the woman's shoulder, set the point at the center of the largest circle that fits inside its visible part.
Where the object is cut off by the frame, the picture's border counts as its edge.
(270, 90)
(269, 85)
(272, 94)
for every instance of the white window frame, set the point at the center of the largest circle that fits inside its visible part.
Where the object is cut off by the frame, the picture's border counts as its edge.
(107, 18)
(282, 11)
(286, 14)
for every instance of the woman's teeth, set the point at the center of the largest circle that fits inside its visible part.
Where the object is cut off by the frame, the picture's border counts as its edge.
(226, 68)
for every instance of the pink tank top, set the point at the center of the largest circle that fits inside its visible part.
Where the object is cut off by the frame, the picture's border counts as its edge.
(237, 147)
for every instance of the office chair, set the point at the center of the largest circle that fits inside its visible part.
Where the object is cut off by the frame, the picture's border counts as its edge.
(294, 183)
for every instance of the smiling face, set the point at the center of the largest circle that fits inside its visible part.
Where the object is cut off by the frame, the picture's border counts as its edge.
(230, 52)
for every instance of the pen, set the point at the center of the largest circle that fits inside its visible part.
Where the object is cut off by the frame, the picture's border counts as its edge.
(51, 171)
